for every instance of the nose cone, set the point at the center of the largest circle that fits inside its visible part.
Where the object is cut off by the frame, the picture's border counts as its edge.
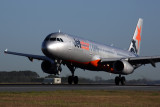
(52, 49)
(44, 48)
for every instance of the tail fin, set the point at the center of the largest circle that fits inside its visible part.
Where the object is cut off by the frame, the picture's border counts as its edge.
(136, 40)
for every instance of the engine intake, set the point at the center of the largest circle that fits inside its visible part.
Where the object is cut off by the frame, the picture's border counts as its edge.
(123, 67)
(49, 67)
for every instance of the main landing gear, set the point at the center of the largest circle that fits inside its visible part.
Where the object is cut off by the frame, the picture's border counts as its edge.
(119, 79)
(72, 79)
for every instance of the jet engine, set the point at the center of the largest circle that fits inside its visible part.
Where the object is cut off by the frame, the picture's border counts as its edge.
(123, 66)
(49, 67)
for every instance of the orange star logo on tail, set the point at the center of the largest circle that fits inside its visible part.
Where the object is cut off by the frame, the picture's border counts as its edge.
(138, 37)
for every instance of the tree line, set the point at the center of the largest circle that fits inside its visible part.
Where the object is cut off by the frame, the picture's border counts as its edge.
(32, 77)
(17, 76)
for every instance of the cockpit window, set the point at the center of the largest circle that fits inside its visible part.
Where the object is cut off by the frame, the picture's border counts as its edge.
(58, 39)
(61, 40)
(52, 39)
(46, 39)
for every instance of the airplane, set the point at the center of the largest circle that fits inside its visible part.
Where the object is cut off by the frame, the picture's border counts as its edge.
(61, 48)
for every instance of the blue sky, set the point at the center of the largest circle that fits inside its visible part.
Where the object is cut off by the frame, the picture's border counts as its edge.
(25, 23)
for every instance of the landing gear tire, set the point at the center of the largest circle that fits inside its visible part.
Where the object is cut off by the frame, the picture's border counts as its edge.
(73, 79)
(70, 80)
(123, 80)
(117, 80)
(76, 80)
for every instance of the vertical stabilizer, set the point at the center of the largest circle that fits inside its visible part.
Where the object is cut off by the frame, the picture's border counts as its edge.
(136, 40)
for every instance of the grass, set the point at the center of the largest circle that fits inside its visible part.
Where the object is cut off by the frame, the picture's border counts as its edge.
(81, 98)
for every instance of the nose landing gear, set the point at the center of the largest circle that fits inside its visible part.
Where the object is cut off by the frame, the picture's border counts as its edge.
(58, 65)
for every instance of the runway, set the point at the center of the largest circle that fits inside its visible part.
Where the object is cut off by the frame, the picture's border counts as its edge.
(40, 87)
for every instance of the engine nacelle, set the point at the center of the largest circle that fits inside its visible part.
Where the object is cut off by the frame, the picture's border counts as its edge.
(123, 66)
(49, 67)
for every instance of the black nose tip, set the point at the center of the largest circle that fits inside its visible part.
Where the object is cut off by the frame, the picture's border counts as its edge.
(44, 49)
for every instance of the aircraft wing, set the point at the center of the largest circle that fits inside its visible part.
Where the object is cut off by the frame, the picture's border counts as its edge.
(30, 56)
(135, 60)
(144, 60)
